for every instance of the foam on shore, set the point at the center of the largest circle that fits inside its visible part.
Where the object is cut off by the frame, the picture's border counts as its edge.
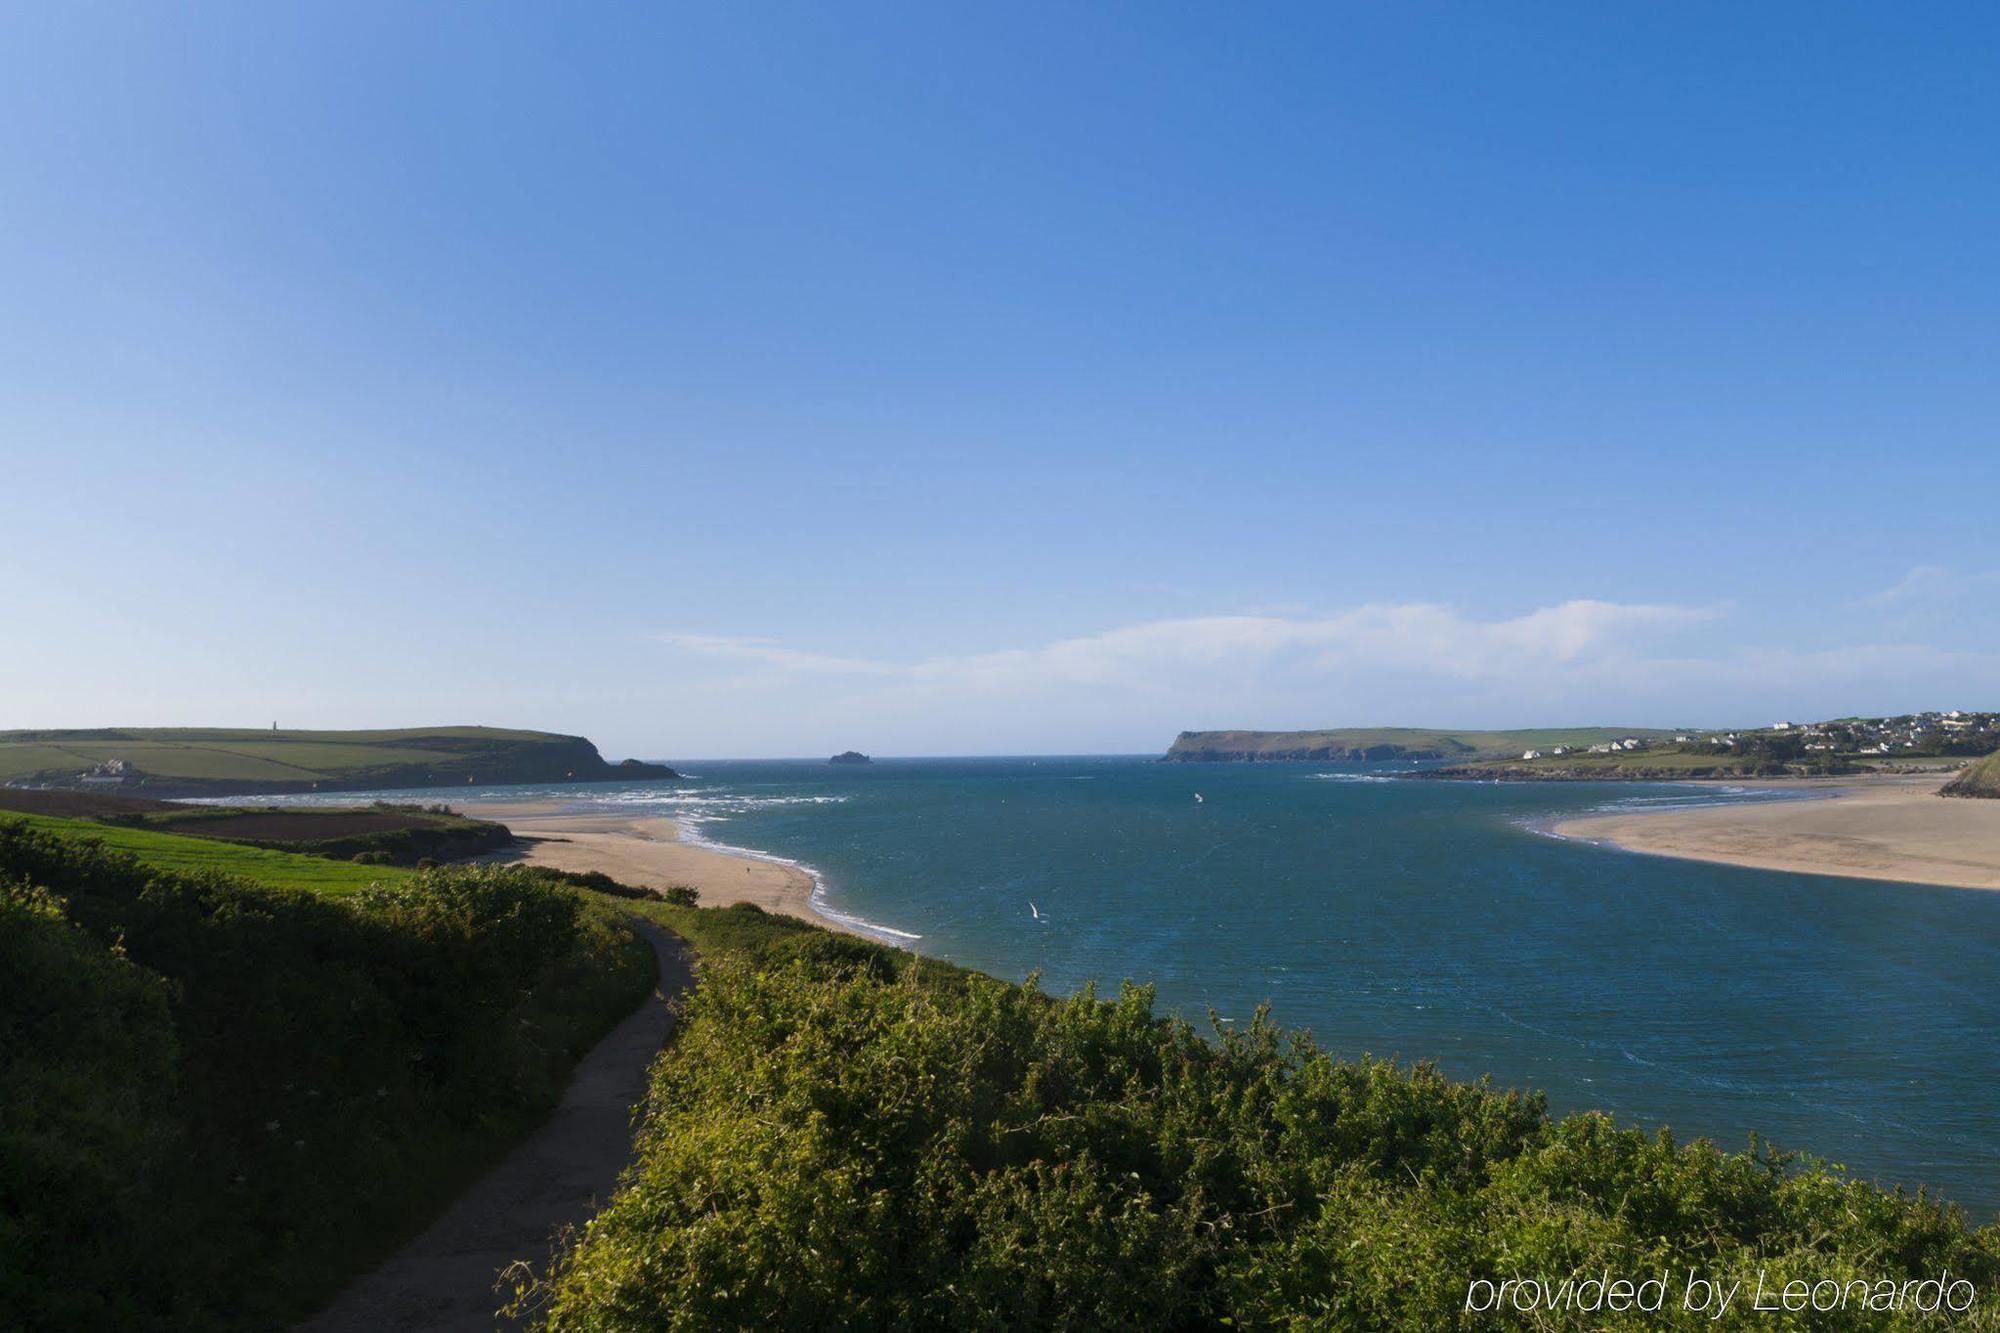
(689, 826)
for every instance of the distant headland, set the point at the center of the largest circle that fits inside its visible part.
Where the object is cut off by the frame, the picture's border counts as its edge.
(206, 761)
(850, 757)
(1364, 744)
(1910, 742)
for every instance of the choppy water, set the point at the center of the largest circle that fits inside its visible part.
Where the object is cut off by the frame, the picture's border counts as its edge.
(1851, 1018)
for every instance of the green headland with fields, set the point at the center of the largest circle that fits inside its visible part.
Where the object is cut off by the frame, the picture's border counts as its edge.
(1908, 743)
(198, 761)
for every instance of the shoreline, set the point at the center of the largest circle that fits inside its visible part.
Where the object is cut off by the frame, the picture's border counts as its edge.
(658, 852)
(1895, 829)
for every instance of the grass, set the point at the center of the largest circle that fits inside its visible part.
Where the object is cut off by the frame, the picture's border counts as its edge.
(1628, 759)
(228, 735)
(253, 755)
(221, 1100)
(172, 851)
(193, 760)
(20, 758)
(1459, 744)
(1981, 779)
(327, 758)
(165, 759)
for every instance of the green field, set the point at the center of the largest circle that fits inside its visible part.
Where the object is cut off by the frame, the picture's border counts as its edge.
(1657, 764)
(1625, 761)
(171, 851)
(196, 761)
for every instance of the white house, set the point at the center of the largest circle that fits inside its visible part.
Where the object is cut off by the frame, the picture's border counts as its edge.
(1531, 754)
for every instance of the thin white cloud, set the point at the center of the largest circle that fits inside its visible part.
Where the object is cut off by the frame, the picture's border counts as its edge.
(1130, 688)
(1417, 637)
(1930, 584)
(769, 653)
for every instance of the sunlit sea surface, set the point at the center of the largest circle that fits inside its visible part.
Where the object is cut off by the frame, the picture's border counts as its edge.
(1424, 920)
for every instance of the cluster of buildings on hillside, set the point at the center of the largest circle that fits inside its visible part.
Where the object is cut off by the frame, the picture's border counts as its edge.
(1923, 732)
(1955, 732)
(1608, 747)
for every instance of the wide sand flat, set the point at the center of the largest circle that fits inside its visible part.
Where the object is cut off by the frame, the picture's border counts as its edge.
(648, 852)
(1894, 828)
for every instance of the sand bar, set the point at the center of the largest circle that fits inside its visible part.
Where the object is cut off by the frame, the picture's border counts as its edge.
(647, 851)
(1891, 828)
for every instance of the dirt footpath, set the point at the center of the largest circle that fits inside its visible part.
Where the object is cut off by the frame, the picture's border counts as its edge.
(559, 1176)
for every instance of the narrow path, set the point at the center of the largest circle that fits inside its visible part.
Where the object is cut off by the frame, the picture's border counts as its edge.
(559, 1176)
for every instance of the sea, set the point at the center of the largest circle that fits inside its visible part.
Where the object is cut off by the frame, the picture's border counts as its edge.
(1439, 921)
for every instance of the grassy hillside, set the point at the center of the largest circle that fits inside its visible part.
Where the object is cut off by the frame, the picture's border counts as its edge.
(182, 854)
(219, 1101)
(1387, 743)
(847, 1136)
(380, 833)
(155, 761)
(1981, 779)
(1657, 764)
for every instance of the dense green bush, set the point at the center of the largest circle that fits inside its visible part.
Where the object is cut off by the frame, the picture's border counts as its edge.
(87, 1092)
(843, 1137)
(221, 1100)
(594, 880)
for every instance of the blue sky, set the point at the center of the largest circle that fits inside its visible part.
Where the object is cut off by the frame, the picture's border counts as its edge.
(756, 378)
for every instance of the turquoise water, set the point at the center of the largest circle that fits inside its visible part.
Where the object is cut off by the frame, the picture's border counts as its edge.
(1424, 920)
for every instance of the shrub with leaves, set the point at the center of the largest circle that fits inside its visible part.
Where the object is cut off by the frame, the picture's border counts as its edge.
(88, 1108)
(842, 1139)
(216, 1099)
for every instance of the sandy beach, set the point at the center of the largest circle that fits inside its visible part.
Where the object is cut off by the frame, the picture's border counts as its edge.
(1891, 828)
(648, 852)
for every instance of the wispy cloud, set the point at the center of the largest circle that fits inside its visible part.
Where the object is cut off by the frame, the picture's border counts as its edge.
(1929, 584)
(1418, 637)
(770, 653)
(1131, 687)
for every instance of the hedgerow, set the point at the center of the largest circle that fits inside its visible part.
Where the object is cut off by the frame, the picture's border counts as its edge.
(218, 1101)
